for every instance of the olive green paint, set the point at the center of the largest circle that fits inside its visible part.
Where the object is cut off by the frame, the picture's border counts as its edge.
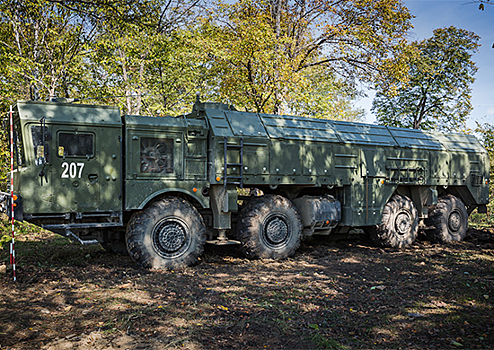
(362, 165)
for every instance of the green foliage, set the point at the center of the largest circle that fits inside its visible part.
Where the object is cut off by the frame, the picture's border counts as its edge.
(486, 134)
(321, 341)
(143, 72)
(4, 241)
(21, 228)
(153, 68)
(4, 159)
(320, 95)
(42, 44)
(437, 96)
(263, 52)
(151, 57)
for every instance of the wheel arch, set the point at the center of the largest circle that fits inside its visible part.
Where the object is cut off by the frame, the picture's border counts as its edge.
(196, 201)
(424, 197)
(461, 192)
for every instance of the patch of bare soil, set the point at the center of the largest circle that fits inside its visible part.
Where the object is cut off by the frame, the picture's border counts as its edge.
(331, 295)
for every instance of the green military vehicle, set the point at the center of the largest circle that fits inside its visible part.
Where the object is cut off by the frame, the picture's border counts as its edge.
(159, 188)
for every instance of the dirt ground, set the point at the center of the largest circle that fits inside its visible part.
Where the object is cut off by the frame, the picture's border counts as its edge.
(342, 294)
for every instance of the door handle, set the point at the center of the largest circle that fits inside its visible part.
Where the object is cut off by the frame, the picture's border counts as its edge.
(92, 178)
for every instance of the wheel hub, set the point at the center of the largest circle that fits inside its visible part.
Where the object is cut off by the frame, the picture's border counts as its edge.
(403, 223)
(454, 221)
(170, 237)
(276, 230)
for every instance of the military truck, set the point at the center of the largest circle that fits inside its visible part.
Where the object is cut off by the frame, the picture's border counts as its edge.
(159, 188)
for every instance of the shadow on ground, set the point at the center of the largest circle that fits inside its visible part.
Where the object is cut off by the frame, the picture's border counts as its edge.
(330, 295)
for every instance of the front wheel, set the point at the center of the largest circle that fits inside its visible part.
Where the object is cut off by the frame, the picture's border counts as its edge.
(269, 227)
(168, 234)
(449, 219)
(399, 224)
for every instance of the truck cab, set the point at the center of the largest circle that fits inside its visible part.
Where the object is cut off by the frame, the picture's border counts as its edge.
(68, 165)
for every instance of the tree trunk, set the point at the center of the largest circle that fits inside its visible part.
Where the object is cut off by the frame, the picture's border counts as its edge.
(276, 5)
(139, 91)
(419, 116)
(125, 77)
(34, 87)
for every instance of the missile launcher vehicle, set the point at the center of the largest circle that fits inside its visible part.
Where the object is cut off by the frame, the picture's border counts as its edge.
(159, 188)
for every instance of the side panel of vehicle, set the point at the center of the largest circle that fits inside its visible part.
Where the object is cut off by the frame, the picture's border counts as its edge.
(362, 165)
(163, 155)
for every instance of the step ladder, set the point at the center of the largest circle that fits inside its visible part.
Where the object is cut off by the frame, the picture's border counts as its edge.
(232, 179)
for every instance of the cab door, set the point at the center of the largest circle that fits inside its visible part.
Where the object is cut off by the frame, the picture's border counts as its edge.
(85, 170)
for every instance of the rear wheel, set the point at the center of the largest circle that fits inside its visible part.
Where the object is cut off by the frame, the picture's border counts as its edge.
(169, 234)
(399, 224)
(449, 219)
(269, 227)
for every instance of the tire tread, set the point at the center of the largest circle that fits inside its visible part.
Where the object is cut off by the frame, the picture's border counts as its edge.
(139, 225)
(438, 218)
(383, 235)
(250, 218)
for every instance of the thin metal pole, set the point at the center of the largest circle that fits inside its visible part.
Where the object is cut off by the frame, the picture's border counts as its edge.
(12, 244)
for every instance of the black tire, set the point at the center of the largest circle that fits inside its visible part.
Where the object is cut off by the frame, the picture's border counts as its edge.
(449, 219)
(399, 224)
(168, 234)
(269, 227)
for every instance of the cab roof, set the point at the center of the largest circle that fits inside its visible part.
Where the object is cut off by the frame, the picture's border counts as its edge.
(69, 112)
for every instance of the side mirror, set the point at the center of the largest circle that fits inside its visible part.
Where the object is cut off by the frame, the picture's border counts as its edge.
(41, 134)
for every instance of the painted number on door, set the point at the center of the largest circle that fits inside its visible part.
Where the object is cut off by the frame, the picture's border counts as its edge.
(72, 170)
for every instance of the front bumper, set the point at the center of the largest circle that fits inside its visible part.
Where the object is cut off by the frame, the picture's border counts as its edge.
(6, 206)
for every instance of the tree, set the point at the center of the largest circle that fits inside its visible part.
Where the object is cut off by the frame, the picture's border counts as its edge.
(486, 135)
(320, 95)
(437, 96)
(150, 66)
(262, 49)
(41, 45)
(134, 49)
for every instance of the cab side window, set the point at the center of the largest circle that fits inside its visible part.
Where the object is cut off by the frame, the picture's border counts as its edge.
(39, 147)
(75, 145)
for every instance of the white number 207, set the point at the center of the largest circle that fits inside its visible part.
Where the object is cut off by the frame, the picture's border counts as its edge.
(72, 170)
